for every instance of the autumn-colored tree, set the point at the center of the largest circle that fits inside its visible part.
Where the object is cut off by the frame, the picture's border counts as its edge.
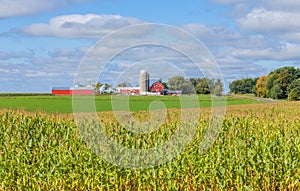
(260, 87)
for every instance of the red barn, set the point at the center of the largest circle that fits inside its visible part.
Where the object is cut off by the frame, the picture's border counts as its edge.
(157, 87)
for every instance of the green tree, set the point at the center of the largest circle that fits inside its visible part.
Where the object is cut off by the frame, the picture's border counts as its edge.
(281, 78)
(218, 88)
(187, 87)
(276, 92)
(293, 96)
(163, 83)
(195, 81)
(202, 87)
(294, 93)
(180, 83)
(243, 86)
(176, 82)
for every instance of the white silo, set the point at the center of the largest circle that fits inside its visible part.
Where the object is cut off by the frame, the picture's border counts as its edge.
(144, 81)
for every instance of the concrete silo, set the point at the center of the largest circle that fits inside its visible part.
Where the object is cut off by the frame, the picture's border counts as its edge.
(144, 81)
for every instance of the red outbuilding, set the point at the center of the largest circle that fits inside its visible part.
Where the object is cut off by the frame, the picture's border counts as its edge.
(157, 87)
(72, 91)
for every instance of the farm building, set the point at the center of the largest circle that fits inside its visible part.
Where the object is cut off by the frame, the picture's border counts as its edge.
(157, 87)
(128, 90)
(72, 91)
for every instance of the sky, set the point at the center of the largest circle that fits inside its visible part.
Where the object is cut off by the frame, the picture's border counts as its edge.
(45, 43)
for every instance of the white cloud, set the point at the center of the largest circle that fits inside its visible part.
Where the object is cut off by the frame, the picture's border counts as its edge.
(11, 8)
(274, 4)
(282, 4)
(281, 51)
(80, 26)
(291, 36)
(236, 68)
(212, 34)
(14, 55)
(262, 20)
(281, 24)
(26, 72)
(218, 37)
(237, 53)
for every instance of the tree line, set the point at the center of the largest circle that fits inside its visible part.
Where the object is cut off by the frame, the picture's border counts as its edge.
(195, 85)
(282, 83)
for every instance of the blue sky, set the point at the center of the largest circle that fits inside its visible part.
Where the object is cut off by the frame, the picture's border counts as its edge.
(43, 42)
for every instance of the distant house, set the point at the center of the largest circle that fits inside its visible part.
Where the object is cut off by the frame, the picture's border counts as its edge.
(102, 89)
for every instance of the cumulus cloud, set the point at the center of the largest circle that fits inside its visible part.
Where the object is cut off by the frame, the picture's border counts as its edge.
(282, 4)
(237, 52)
(281, 24)
(29, 72)
(213, 34)
(80, 26)
(15, 55)
(279, 52)
(11, 8)
(262, 20)
(274, 4)
(218, 37)
(236, 68)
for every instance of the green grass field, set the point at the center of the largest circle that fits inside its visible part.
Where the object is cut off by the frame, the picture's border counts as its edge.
(63, 104)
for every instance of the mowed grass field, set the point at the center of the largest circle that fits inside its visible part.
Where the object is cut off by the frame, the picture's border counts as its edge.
(63, 104)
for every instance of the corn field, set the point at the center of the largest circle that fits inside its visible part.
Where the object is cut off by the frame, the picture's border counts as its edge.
(257, 149)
